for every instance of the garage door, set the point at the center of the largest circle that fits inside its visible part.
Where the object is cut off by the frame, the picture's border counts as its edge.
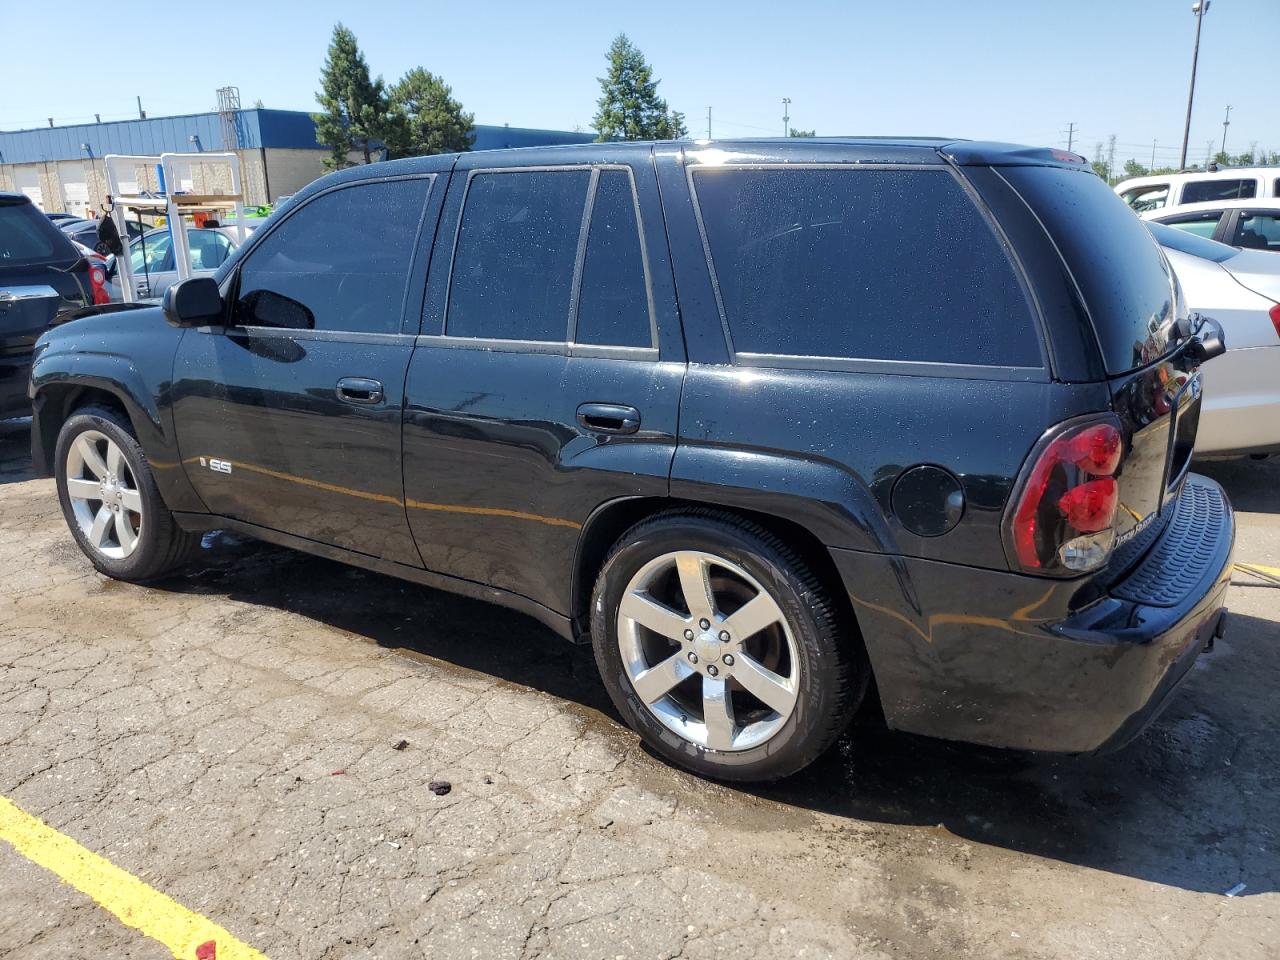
(75, 188)
(28, 181)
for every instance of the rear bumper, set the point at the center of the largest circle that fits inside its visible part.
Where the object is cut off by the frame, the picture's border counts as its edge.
(1007, 660)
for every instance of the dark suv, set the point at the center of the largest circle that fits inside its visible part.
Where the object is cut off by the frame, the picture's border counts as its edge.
(41, 276)
(762, 421)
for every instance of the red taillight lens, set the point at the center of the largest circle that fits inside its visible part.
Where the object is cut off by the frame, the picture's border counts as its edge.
(1274, 313)
(98, 281)
(1090, 507)
(1066, 506)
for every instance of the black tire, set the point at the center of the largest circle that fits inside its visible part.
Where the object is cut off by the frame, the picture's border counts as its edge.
(162, 545)
(833, 666)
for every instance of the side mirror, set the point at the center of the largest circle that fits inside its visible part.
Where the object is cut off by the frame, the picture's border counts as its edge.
(194, 302)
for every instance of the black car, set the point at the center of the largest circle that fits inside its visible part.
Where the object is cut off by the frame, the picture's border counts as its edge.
(763, 421)
(41, 274)
(86, 231)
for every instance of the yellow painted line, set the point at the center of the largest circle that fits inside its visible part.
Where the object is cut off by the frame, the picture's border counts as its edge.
(188, 935)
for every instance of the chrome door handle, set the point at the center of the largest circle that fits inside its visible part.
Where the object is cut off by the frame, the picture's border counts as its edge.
(359, 390)
(609, 418)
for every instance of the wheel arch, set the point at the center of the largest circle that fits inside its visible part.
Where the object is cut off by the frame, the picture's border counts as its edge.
(609, 521)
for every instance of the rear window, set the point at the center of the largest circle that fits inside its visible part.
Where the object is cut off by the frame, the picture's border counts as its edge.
(1257, 231)
(862, 264)
(1189, 243)
(1151, 197)
(27, 236)
(1126, 283)
(1201, 191)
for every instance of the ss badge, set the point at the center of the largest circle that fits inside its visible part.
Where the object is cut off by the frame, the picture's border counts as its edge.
(217, 466)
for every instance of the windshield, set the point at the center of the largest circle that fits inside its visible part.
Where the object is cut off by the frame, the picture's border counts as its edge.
(1189, 243)
(1124, 278)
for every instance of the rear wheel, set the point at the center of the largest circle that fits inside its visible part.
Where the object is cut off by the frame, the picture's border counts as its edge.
(720, 646)
(110, 501)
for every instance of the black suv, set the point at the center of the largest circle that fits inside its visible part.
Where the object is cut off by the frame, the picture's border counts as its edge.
(762, 421)
(41, 275)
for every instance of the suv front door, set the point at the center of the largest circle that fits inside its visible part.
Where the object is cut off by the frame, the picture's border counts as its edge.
(289, 417)
(547, 381)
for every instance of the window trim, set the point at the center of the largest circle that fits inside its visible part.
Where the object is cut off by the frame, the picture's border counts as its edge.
(922, 368)
(569, 346)
(258, 237)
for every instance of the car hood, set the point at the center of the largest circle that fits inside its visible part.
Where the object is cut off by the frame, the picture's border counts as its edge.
(1256, 270)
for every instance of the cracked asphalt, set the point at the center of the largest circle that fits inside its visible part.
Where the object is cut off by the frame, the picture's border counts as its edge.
(231, 738)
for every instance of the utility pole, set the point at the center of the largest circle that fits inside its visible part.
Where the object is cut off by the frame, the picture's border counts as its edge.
(1153, 155)
(1071, 135)
(708, 123)
(1226, 122)
(142, 114)
(1199, 8)
(786, 118)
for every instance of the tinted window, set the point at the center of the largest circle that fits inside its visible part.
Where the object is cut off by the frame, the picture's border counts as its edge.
(339, 262)
(513, 267)
(1199, 191)
(1190, 244)
(1125, 281)
(28, 236)
(1258, 231)
(871, 264)
(1200, 224)
(613, 304)
(1150, 197)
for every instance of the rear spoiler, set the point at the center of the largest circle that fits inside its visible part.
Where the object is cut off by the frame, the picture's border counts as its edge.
(973, 153)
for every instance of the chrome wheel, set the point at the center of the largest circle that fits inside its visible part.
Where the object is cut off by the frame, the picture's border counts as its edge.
(104, 495)
(708, 650)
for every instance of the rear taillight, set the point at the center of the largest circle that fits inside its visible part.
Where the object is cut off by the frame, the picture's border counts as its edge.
(98, 281)
(1274, 313)
(1062, 519)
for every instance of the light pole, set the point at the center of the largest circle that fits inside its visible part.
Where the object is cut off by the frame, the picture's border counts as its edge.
(1226, 122)
(786, 116)
(1199, 8)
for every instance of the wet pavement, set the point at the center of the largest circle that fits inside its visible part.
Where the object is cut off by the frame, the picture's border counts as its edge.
(230, 737)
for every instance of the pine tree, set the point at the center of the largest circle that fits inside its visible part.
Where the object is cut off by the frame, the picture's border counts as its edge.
(424, 118)
(355, 107)
(629, 106)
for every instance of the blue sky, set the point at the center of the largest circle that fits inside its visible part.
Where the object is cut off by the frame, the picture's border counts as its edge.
(1015, 70)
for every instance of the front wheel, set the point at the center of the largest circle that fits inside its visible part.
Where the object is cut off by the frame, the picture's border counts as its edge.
(719, 645)
(110, 501)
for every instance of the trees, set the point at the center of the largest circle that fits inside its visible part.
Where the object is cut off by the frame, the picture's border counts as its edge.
(425, 119)
(802, 133)
(629, 107)
(354, 106)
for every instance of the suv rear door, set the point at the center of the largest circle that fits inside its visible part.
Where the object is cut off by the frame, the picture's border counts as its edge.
(289, 417)
(35, 283)
(547, 379)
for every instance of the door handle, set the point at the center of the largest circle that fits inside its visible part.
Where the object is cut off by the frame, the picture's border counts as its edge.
(359, 390)
(609, 418)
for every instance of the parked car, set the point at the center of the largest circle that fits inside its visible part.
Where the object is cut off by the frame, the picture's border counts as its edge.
(1241, 290)
(1160, 191)
(57, 218)
(86, 231)
(1249, 224)
(759, 420)
(41, 274)
(151, 259)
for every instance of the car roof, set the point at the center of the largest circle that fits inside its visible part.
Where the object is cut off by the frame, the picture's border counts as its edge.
(11, 198)
(1260, 203)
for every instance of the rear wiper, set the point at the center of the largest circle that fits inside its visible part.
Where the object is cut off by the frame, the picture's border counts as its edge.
(1205, 333)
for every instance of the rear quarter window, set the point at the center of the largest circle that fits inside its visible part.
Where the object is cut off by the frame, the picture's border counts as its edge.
(1125, 281)
(862, 264)
(27, 236)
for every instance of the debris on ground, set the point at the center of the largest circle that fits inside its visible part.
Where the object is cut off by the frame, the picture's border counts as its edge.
(439, 787)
